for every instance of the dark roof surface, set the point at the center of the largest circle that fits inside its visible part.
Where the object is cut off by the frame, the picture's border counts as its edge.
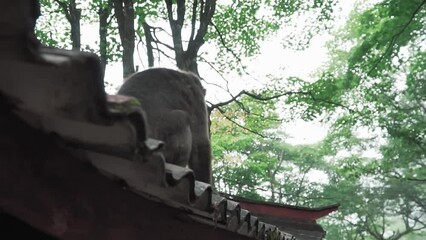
(62, 98)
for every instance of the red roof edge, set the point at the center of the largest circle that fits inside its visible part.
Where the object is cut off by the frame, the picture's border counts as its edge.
(283, 210)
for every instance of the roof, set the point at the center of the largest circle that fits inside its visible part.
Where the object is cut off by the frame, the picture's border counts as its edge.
(283, 210)
(296, 220)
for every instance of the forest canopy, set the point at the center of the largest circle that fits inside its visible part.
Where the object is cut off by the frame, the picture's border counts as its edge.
(368, 92)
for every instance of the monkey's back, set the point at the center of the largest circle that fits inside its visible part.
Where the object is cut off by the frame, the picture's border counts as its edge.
(160, 90)
(174, 104)
(161, 87)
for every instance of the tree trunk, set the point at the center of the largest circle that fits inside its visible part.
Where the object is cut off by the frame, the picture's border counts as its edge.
(187, 59)
(73, 15)
(148, 39)
(104, 13)
(272, 199)
(125, 14)
(280, 195)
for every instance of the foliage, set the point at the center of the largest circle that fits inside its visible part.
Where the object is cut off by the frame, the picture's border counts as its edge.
(236, 29)
(375, 85)
(248, 164)
(240, 26)
(52, 28)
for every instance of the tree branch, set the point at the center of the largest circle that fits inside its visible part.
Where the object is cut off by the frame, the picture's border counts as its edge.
(217, 71)
(149, 40)
(161, 30)
(255, 96)
(207, 10)
(161, 43)
(181, 9)
(65, 9)
(239, 125)
(162, 52)
(176, 27)
(223, 42)
(395, 37)
(399, 177)
(194, 19)
(137, 48)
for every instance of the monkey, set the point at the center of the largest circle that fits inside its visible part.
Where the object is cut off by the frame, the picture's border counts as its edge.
(176, 112)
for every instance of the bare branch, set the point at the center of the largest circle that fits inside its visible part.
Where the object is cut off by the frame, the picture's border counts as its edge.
(332, 103)
(165, 54)
(137, 47)
(216, 70)
(407, 230)
(194, 19)
(222, 40)
(257, 97)
(111, 18)
(149, 39)
(399, 177)
(228, 49)
(156, 41)
(239, 125)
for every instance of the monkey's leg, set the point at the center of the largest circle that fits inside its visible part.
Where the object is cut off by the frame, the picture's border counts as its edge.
(173, 128)
(200, 161)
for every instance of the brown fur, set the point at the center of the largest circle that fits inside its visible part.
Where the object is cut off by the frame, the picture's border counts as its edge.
(176, 113)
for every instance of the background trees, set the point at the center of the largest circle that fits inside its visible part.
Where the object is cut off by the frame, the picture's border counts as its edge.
(235, 27)
(374, 84)
(371, 94)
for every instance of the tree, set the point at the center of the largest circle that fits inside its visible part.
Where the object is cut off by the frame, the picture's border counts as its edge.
(73, 15)
(236, 28)
(255, 163)
(125, 15)
(187, 59)
(104, 10)
(48, 32)
(375, 84)
(232, 146)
